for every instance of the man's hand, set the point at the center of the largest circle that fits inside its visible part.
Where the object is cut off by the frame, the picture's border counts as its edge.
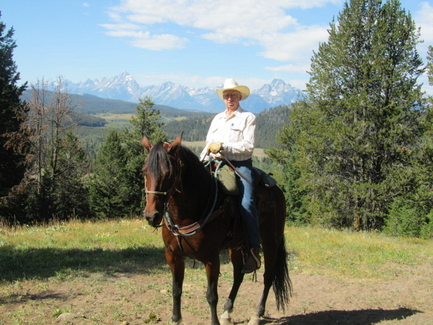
(214, 147)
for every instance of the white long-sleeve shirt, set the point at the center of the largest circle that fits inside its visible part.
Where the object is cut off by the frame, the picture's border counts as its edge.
(237, 134)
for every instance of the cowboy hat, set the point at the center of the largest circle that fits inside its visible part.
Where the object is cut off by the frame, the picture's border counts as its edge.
(231, 84)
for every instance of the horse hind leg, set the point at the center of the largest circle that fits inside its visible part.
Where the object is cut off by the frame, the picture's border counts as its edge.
(276, 275)
(260, 312)
(267, 281)
(237, 262)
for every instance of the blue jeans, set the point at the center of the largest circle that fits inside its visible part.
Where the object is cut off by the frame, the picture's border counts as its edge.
(247, 204)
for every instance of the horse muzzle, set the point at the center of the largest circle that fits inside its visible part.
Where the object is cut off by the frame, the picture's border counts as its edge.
(153, 218)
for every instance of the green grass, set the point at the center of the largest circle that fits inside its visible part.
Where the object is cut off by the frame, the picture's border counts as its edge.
(77, 248)
(360, 255)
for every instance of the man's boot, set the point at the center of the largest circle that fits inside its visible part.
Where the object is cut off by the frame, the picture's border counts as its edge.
(253, 261)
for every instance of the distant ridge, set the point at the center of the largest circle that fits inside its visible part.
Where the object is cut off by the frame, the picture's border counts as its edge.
(193, 124)
(124, 87)
(94, 105)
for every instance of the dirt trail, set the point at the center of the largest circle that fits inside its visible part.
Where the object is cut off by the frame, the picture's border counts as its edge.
(132, 299)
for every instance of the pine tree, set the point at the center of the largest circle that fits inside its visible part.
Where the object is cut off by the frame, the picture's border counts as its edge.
(70, 195)
(147, 121)
(117, 185)
(106, 184)
(11, 160)
(364, 108)
(411, 213)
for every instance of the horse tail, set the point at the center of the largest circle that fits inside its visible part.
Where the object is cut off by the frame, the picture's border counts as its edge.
(282, 285)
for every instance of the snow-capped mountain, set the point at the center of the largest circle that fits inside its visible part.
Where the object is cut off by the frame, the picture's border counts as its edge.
(124, 87)
(121, 87)
(277, 92)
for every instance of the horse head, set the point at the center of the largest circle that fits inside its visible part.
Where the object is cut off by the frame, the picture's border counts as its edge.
(160, 175)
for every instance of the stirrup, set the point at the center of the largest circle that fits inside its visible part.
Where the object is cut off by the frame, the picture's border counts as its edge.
(252, 263)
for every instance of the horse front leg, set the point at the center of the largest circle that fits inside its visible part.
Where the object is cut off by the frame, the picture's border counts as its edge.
(212, 272)
(177, 266)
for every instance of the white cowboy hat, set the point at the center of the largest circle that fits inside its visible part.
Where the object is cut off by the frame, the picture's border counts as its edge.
(231, 84)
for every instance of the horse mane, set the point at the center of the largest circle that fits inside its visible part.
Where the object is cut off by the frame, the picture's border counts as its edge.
(196, 174)
(159, 161)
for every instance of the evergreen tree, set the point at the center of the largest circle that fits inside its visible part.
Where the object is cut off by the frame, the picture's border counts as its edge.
(146, 121)
(288, 175)
(364, 108)
(11, 160)
(70, 195)
(411, 213)
(106, 186)
(117, 185)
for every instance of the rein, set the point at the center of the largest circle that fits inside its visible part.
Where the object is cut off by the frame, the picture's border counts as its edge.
(195, 227)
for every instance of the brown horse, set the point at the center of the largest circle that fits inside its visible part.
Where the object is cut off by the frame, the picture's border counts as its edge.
(199, 221)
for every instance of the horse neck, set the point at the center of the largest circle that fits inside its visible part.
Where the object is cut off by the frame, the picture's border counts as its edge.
(195, 194)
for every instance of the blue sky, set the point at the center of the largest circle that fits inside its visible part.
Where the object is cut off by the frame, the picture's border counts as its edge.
(195, 43)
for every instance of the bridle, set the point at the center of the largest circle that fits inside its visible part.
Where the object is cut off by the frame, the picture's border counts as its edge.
(155, 192)
(168, 193)
(195, 227)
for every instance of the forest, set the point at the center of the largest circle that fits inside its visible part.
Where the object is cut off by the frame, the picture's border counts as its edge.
(269, 122)
(355, 154)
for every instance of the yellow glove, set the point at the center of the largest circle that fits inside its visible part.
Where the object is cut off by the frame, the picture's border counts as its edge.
(214, 147)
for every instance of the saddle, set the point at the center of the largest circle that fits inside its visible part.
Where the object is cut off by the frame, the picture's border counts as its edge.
(227, 176)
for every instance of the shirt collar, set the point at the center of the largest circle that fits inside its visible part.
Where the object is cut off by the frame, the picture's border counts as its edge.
(236, 112)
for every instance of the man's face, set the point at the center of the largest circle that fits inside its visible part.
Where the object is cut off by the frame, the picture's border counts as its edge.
(232, 98)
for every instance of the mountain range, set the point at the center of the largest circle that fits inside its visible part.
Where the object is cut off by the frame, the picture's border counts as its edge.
(124, 87)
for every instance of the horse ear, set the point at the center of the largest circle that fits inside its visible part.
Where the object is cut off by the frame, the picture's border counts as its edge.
(146, 143)
(175, 143)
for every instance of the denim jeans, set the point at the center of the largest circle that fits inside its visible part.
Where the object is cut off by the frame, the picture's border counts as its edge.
(247, 204)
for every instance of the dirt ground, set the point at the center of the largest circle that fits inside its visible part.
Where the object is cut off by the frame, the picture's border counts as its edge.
(132, 299)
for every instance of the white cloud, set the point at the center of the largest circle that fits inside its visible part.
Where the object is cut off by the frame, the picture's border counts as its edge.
(295, 68)
(165, 24)
(424, 19)
(158, 42)
(294, 46)
(120, 27)
(246, 22)
(144, 39)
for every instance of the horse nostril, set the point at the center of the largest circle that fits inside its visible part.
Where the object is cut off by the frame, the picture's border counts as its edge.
(155, 219)
(152, 218)
(147, 215)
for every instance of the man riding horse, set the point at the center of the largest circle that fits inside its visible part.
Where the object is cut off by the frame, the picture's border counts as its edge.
(232, 133)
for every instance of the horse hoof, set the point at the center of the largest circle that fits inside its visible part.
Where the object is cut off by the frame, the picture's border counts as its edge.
(225, 319)
(254, 321)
